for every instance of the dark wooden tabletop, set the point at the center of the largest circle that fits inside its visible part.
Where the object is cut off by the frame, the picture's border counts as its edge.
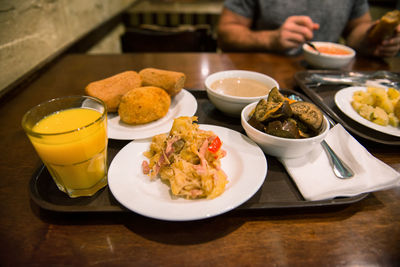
(365, 233)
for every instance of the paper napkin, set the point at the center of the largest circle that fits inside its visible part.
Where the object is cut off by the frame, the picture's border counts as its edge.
(315, 179)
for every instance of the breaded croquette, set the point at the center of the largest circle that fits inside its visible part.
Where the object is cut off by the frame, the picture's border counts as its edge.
(170, 81)
(111, 89)
(144, 104)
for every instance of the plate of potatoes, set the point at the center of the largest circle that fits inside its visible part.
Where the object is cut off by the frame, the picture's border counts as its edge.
(374, 107)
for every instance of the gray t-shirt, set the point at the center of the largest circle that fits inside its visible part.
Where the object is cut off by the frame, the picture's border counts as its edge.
(332, 15)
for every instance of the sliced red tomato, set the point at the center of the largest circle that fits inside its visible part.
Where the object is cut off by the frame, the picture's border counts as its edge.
(215, 145)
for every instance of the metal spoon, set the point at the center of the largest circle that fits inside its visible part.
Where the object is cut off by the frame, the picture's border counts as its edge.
(340, 168)
(313, 47)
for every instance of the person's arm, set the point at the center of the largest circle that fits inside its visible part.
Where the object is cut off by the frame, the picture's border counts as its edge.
(234, 33)
(355, 33)
(356, 36)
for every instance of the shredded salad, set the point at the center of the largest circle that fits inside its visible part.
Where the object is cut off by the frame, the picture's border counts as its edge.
(188, 159)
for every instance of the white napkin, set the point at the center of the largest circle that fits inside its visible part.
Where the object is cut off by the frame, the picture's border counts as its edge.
(315, 179)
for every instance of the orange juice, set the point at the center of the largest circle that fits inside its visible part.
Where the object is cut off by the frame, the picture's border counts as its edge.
(72, 143)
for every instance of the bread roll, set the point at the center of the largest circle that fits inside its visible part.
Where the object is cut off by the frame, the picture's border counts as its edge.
(385, 27)
(144, 104)
(172, 82)
(111, 89)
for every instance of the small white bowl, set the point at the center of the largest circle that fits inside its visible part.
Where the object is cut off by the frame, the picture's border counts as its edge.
(278, 146)
(327, 61)
(233, 105)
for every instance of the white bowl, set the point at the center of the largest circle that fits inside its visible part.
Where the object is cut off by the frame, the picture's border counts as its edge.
(278, 146)
(327, 61)
(233, 105)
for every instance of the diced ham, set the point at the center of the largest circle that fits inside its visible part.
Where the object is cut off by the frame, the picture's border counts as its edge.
(164, 157)
(202, 167)
(145, 167)
(169, 148)
(196, 192)
(159, 164)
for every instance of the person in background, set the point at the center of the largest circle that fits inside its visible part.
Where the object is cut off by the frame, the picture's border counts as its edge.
(284, 25)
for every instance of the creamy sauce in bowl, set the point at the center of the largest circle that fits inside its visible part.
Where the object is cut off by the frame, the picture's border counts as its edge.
(242, 87)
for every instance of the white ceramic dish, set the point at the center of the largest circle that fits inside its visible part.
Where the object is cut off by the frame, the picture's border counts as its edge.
(183, 104)
(327, 61)
(278, 146)
(245, 165)
(343, 100)
(233, 105)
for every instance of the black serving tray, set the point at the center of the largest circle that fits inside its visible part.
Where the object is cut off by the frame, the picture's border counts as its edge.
(324, 97)
(277, 192)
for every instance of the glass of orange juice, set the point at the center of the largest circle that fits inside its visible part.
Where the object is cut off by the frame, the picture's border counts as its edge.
(70, 136)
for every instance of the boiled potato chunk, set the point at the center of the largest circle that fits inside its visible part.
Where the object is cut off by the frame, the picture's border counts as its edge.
(379, 116)
(378, 105)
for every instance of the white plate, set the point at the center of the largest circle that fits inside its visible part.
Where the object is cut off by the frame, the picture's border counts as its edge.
(343, 100)
(245, 165)
(183, 104)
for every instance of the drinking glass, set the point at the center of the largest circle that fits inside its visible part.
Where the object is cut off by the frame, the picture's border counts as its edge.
(70, 136)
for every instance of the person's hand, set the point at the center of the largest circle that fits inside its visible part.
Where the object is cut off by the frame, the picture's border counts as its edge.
(294, 32)
(389, 47)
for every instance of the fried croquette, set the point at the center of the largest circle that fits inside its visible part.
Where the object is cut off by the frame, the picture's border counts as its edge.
(170, 81)
(144, 104)
(111, 89)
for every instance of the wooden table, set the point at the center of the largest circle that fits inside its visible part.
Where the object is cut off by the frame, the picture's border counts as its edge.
(364, 233)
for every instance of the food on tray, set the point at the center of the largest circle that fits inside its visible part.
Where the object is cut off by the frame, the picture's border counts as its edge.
(242, 87)
(396, 110)
(378, 105)
(385, 27)
(188, 159)
(138, 97)
(144, 104)
(284, 117)
(111, 89)
(332, 50)
(308, 113)
(170, 81)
